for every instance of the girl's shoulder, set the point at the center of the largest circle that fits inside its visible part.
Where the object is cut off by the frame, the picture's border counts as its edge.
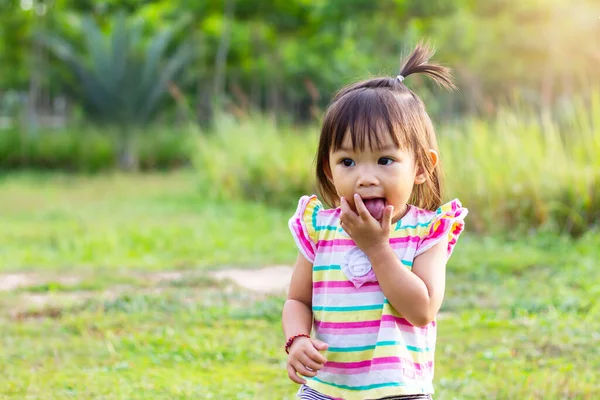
(429, 227)
(310, 222)
(450, 209)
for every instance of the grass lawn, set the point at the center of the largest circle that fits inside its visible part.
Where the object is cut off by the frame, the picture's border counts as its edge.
(146, 222)
(118, 302)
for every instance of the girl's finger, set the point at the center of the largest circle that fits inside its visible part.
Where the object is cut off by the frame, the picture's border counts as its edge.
(387, 217)
(307, 361)
(360, 207)
(347, 214)
(319, 344)
(302, 370)
(317, 357)
(293, 376)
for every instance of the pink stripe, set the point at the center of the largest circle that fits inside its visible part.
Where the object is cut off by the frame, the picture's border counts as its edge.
(398, 320)
(405, 239)
(350, 242)
(347, 325)
(414, 330)
(420, 211)
(303, 237)
(366, 370)
(341, 284)
(451, 244)
(336, 242)
(389, 321)
(434, 235)
(441, 230)
(402, 321)
(331, 211)
(344, 248)
(342, 331)
(345, 290)
(404, 246)
(396, 361)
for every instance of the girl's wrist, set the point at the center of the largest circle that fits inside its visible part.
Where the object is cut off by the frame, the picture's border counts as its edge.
(377, 249)
(292, 339)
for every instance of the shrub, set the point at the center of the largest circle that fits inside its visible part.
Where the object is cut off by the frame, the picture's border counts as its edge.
(517, 172)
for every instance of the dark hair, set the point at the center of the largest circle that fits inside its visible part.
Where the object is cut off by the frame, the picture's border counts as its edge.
(368, 108)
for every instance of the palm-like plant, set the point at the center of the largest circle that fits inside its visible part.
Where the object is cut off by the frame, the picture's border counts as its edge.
(123, 76)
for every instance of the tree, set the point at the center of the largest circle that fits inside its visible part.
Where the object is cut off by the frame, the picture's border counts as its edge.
(123, 76)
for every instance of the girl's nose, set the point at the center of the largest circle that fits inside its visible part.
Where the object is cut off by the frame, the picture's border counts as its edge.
(367, 179)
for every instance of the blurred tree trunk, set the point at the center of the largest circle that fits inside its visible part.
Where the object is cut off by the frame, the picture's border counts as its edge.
(275, 95)
(34, 93)
(204, 109)
(222, 51)
(255, 84)
(474, 99)
(128, 159)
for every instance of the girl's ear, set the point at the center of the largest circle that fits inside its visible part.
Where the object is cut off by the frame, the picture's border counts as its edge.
(422, 175)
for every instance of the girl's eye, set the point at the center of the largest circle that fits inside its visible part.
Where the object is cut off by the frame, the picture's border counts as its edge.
(385, 161)
(346, 162)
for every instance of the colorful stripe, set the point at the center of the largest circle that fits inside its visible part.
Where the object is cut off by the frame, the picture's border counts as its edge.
(363, 387)
(343, 284)
(378, 361)
(326, 268)
(378, 344)
(351, 308)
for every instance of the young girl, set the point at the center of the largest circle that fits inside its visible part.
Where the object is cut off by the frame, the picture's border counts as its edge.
(370, 274)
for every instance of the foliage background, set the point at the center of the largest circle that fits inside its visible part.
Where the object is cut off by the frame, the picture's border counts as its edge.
(147, 145)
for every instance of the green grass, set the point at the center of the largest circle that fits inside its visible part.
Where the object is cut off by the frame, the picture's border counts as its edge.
(520, 319)
(119, 222)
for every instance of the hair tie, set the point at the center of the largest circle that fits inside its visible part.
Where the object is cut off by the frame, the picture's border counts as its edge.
(400, 78)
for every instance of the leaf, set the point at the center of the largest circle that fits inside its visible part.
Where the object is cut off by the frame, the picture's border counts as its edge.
(174, 65)
(121, 72)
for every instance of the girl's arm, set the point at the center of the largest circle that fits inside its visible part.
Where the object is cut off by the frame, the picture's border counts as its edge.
(418, 294)
(304, 359)
(297, 310)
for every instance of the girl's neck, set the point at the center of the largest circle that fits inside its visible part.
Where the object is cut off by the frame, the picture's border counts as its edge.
(401, 214)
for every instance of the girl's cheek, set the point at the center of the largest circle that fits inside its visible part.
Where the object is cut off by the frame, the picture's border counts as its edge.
(349, 200)
(352, 205)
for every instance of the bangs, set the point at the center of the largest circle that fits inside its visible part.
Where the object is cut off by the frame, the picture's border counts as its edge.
(367, 116)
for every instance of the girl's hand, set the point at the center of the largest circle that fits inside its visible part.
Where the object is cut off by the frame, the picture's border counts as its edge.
(305, 359)
(368, 233)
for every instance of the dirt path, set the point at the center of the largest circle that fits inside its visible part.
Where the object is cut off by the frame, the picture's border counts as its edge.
(17, 280)
(274, 279)
(264, 281)
(13, 281)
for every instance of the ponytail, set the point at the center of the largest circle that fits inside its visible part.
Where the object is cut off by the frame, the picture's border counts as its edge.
(418, 63)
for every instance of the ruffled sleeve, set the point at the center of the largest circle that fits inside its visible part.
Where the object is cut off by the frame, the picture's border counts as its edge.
(448, 220)
(303, 226)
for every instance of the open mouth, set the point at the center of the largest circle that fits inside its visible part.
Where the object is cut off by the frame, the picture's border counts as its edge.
(375, 206)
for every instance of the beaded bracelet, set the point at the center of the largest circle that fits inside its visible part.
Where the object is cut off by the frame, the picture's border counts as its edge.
(289, 342)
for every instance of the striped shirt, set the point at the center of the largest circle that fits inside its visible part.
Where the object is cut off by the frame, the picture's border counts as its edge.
(306, 393)
(373, 351)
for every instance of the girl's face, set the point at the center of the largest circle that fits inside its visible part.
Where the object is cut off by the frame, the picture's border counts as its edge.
(385, 172)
